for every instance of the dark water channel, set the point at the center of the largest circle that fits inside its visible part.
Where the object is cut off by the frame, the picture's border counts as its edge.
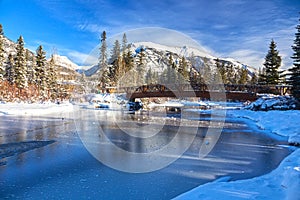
(65, 169)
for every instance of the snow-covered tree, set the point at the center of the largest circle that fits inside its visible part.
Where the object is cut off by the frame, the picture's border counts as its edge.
(104, 70)
(20, 66)
(126, 56)
(116, 63)
(272, 64)
(116, 50)
(10, 69)
(41, 72)
(294, 79)
(120, 71)
(30, 63)
(52, 79)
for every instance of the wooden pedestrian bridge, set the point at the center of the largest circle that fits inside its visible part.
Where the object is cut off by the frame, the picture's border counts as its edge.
(204, 91)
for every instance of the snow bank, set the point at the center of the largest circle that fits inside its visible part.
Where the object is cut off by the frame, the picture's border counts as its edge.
(34, 108)
(282, 183)
(284, 123)
(108, 98)
(271, 102)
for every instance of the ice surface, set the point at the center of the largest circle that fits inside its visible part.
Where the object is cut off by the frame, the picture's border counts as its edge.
(282, 183)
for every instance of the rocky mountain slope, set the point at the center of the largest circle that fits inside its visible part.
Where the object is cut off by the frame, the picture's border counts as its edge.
(157, 55)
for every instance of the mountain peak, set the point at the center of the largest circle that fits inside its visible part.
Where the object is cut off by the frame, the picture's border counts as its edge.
(64, 61)
(180, 51)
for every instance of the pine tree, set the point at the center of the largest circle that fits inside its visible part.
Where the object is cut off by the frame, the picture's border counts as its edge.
(272, 64)
(41, 72)
(104, 70)
(183, 69)
(141, 67)
(20, 66)
(294, 79)
(128, 60)
(10, 70)
(30, 63)
(124, 45)
(115, 60)
(115, 53)
(120, 71)
(243, 76)
(237, 76)
(230, 75)
(2, 68)
(52, 79)
(262, 76)
(171, 70)
(254, 79)
(222, 70)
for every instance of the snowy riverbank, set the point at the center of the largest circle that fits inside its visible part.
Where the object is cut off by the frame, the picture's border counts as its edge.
(284, 123)
(35, 109)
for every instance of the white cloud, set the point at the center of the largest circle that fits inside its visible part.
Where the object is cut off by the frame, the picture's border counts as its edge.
(249, 57)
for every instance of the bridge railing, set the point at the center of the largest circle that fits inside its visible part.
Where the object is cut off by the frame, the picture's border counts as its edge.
(272, 89)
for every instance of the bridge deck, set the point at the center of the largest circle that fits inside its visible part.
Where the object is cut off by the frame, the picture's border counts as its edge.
(212, 92)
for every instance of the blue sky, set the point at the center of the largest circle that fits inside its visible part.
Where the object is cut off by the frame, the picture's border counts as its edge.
(241, 29)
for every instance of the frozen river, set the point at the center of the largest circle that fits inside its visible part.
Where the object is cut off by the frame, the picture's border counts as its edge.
(62, 167)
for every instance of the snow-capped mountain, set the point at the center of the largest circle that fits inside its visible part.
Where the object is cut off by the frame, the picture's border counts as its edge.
(64, 62)
(182, 51)
(154, 51)
(157, 58)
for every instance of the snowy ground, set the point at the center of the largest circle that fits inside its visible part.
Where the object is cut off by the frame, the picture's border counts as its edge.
(284, 123)
(34, 108)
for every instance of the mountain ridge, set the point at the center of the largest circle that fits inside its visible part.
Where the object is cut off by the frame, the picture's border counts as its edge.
(157, 56)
